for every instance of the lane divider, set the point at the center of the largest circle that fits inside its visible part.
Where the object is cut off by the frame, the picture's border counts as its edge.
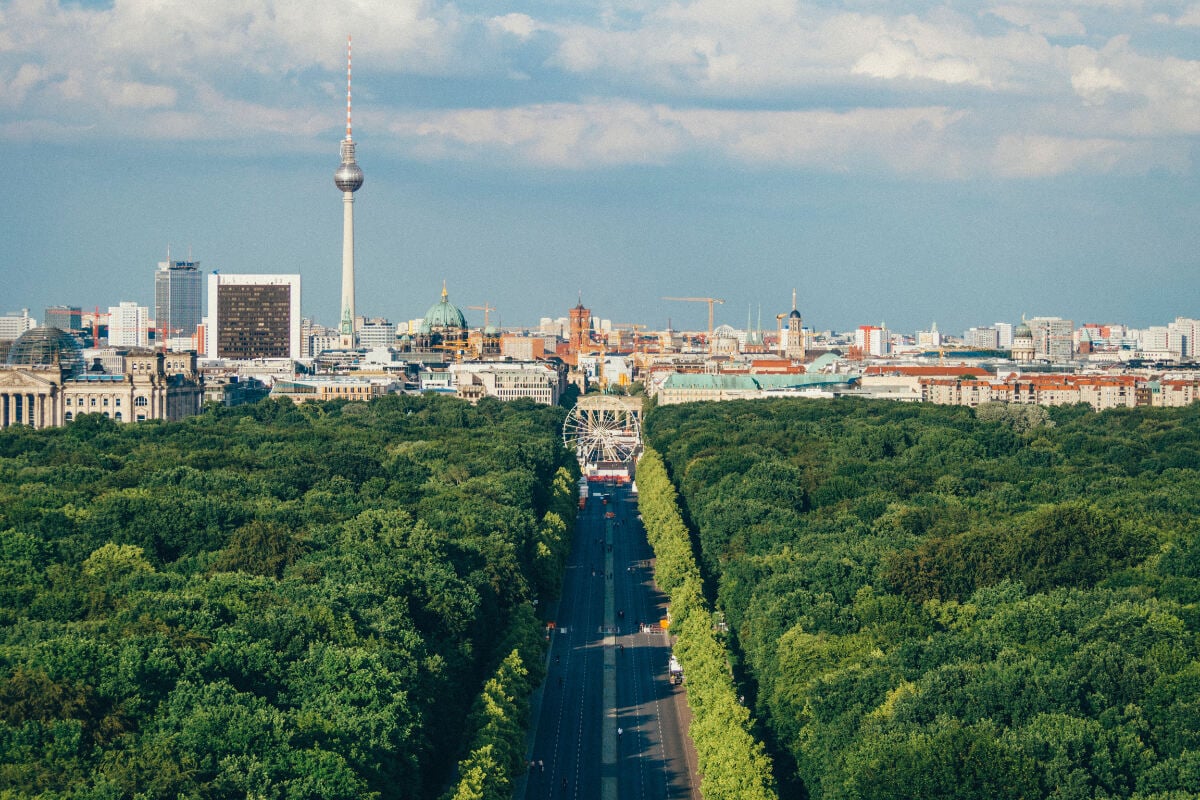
(608, 727)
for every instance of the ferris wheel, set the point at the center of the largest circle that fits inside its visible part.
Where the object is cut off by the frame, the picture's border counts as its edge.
(603, 428)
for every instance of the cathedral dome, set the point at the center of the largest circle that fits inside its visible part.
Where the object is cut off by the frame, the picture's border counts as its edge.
(443, 315)
(47, 346)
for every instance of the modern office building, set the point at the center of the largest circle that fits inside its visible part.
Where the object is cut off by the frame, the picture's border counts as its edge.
(178, 302)
(376, 333)
(65, 318)
(253, 316)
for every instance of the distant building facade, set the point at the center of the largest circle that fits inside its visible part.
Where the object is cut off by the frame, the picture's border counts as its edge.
(1053, 338)
(253, 317)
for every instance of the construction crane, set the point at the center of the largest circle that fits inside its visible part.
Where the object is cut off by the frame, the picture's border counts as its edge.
(711, 302)
(486, 309)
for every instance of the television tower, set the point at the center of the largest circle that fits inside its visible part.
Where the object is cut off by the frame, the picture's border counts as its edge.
(348, 178)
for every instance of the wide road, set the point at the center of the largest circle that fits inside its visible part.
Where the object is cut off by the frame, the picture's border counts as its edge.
(610, 724)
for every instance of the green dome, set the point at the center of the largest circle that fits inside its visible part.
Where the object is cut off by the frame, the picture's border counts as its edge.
(1022, 332)
(443, 315)
(47, 346)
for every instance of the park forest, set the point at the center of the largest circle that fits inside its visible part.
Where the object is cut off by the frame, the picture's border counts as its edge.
(337, 600)
(327, 601)
(933, 602)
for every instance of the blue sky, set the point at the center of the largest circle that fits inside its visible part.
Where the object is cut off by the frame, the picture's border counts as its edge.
(903, 162)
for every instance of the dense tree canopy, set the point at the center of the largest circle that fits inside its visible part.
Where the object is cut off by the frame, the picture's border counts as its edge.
(271, 601)
(929, 603)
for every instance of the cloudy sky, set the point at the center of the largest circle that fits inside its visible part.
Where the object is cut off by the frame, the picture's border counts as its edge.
(899, 161)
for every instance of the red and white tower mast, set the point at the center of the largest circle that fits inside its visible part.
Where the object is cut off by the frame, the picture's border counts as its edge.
(348, 178)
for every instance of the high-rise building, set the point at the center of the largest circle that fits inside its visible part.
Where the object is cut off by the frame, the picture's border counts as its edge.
(1189, 330)
(65, 318)
(253, 316)
(349, 179)
(1004, 334)
(873, 340)
(128, 325)
(1053, 338)
(14, 323)
(178, 302)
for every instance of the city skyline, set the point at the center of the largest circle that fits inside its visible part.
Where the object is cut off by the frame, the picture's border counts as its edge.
(897, 163)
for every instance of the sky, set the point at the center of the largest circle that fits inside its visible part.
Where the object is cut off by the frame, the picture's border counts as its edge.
(894, 161)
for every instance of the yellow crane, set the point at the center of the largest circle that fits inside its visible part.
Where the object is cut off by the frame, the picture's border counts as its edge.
(486, 309)
(711, 302)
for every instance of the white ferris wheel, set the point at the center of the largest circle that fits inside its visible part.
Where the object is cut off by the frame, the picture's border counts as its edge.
(603, 428)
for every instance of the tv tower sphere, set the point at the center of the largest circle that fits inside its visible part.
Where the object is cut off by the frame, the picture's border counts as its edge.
(349, 176)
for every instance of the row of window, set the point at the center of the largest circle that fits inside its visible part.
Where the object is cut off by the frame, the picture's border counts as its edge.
(91, 401)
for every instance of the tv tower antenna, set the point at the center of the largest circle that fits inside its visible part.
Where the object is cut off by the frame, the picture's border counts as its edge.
(349, 138)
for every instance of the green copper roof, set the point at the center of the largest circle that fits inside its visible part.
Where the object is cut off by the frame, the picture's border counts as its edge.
(443, 315)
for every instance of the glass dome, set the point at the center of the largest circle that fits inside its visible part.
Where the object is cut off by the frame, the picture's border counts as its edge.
(47, 346)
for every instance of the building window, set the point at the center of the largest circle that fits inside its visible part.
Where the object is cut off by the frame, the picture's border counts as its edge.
(117, 416)
(106, 401)
(69, 417)
(93, 401)
(140, 401)
(117, 402)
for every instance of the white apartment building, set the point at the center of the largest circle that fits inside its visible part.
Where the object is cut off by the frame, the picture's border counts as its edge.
(1189, 331)
(377, 333)
(1004, 333)
(128, 325)
(14, 323)
(1164, 342)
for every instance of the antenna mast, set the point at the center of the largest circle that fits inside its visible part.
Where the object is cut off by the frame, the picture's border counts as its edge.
(348, 53)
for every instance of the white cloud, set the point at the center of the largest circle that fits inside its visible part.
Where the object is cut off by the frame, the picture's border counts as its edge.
(943, 92)
(134, 94)
(1190, 18)
(600, 134)
(1045, 156)
(899, 59)
(14, 88)
(520, 25)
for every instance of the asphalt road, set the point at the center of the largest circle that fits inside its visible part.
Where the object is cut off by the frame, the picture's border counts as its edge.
(610, 724)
